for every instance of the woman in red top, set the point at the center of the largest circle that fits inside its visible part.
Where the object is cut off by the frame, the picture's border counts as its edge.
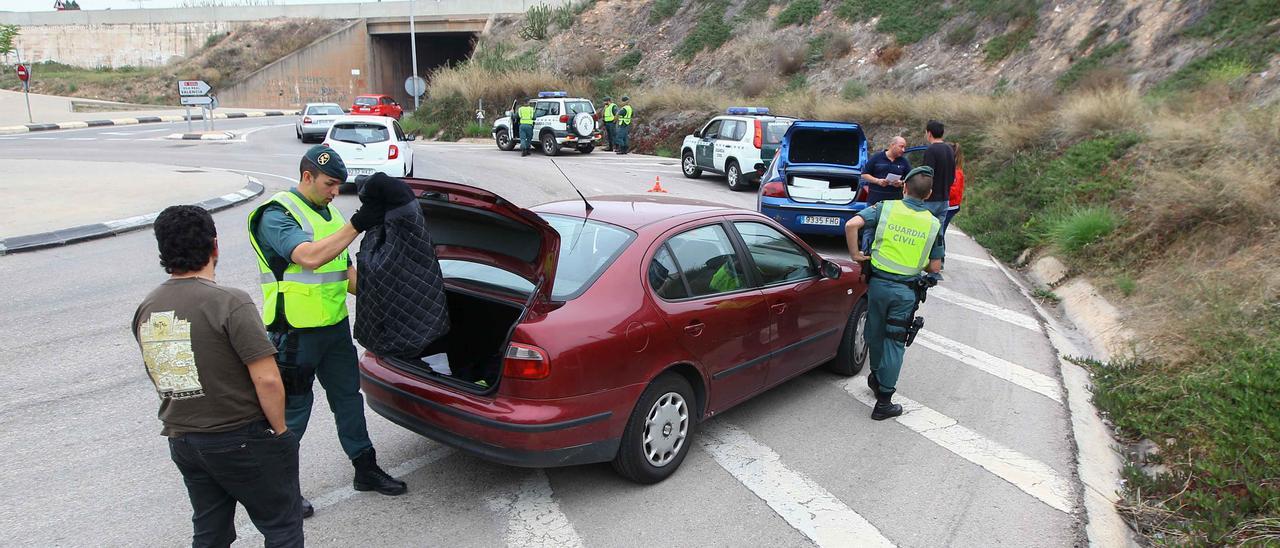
(957, 188)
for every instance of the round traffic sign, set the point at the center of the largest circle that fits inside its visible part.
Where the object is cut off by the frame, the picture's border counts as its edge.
(415, 86)
(22, 73)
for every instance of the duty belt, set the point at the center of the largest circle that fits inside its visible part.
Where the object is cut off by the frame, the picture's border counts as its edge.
(920, 285)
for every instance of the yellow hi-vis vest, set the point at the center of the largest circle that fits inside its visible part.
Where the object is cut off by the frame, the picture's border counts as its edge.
(526, 115)
(312, 298)
(903, 239)
(608, 112)
(625, 117)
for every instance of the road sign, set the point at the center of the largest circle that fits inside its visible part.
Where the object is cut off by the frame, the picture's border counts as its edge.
(193, 88)
(197, 101)
(415, 86)
(213, 102)
(22, 73)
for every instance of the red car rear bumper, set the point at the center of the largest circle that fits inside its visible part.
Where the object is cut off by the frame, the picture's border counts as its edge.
(516, 432)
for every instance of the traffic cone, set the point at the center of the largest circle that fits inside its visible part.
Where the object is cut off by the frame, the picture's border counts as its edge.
(657, 185)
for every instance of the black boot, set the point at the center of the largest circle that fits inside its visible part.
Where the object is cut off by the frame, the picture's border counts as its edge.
(873, 383)
(371, 478)
(885, 408)
(524, 153)
(307, 509)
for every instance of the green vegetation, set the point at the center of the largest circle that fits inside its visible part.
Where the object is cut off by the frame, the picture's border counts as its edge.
(663, 10)
(798, 12)
(1126, 284)
(962, 34)
(1071, 231)
(1000, 47)
(664, 152)
(476, 129)
(564, 16)
(1091, 38)
(498, 57)
(853, 90)
(1085, 65)
(629, 60)
(908, 21)
(1245, 32)
(7, 34)
(817, 47)
(448, 116)
(1046, 295)
(214, 39)
(710, 33)
(753, 10)
(536, 21)
(1014, 207)
(1003, 12)
(1246, 58)
(797, 82)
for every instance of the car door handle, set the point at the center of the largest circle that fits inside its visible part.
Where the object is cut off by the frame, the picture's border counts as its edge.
(694, 328)
(779, 308)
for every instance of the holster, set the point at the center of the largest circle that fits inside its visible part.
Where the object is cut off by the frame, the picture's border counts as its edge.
(295, 376)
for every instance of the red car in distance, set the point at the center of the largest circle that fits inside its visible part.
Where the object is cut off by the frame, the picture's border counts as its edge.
(377, 105)
(607, 333)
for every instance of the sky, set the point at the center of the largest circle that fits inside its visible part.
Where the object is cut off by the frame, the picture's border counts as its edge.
(47, 5)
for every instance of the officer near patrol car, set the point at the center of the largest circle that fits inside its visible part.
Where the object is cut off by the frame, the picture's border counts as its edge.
(610, 118)
(906, 245)
(301, 239)
(622, 142)
(525, 116)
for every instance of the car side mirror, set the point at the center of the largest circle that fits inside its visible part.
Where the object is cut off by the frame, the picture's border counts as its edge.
(509, 113)
(412, 135)
(830, 270)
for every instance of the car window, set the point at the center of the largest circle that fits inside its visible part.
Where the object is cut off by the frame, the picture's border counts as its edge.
(733, 130)
(360, 133)
(664, 276)
(774, 130)
(777, 258)
(387, 101)
(546, 108)
(366, 101)
(399, 131)
(708, 260)
(712, 129)
(325, 110)
(575, 107)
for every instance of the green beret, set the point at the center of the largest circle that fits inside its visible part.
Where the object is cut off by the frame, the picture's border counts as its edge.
(328, 161)
(608, 98)
(925, 170)
(626, 98)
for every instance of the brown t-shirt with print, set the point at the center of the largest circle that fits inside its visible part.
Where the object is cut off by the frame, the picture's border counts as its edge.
(196, 339)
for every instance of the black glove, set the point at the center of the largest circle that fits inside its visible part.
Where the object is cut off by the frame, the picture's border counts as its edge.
(386, 191)
(369, 215)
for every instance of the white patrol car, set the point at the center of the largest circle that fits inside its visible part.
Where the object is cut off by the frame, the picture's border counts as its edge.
(740, 144)
(559, 121)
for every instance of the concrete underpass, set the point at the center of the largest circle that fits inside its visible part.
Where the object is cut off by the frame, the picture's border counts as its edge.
(391, 54)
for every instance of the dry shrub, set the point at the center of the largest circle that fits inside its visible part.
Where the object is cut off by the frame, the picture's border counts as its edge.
(889, 55)
(1102, 78)
(674, 97)
(497, 89)
(585, 63)
(838, 45)
(789, 58)
(756, 84)
(1088, 113)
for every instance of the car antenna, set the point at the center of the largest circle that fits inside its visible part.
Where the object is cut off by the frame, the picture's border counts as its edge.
(575, 187)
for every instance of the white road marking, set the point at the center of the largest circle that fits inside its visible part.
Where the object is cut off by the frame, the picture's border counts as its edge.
(290, 179)
(1036, 382)
(246, 530)
(998, 312)
(534, 516)
(970, 260)
(81, 139)
(42, 138)
(244, 134)
(1030, 475)
(797, 499)
(134, 132)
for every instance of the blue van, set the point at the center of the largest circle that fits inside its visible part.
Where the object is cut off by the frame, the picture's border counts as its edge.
(811, 186)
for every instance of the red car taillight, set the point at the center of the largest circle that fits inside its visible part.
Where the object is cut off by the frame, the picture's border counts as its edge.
(525, 361)
(759, 135)
(595, 116)
(393, 152)
(306, 120)
(775, 189)
(564, 118)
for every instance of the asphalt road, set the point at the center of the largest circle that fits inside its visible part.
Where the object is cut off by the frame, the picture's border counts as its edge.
(983, 457)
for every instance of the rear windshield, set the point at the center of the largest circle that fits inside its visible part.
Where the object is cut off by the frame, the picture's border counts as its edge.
(825, 146)
(360, 133)
(366, 101)
(774, 130)
(330, 110)
(575, 107)
(586, 249)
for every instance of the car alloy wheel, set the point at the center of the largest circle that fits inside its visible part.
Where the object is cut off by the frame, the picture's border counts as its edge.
(689, 166)
(734, 175)
(504, 140)
(852, 354)
(665, 429)
(549, 145)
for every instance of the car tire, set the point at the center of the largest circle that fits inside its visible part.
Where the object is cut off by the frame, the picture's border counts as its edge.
(586, 149)
(854, 352)
(550, 146)
(733, 174)
(668, 398)
(689, 166)
(503, 138)
(299, 133)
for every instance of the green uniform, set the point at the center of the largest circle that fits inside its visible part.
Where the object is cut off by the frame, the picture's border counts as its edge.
(306, 316)
(610, 124)
(904, 243)
(622, 134)
(526, 125)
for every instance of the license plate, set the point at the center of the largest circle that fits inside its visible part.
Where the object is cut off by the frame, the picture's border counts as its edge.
(360, 171)
(815, 220)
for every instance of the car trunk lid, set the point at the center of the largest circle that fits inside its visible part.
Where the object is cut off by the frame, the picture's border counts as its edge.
(823, 161)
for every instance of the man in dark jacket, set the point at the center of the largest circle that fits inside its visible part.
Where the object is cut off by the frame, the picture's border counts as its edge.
(942, 158)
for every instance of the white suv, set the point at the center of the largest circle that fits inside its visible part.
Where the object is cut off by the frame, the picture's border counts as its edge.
(740, 144)
(559, 121)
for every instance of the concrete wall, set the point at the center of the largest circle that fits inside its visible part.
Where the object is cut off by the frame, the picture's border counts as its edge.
(117, 45)
(258, 13)
(321, 72)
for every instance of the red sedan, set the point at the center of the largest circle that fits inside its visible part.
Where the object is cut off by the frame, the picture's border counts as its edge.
(377, 105)
(585, 335)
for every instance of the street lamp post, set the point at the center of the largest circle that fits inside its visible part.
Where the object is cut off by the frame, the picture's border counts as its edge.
(413, 47)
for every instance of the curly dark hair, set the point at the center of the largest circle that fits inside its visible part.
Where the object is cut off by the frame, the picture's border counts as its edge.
(185, 234)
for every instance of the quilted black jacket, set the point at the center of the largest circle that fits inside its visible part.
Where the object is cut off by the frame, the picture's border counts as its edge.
(400, 302)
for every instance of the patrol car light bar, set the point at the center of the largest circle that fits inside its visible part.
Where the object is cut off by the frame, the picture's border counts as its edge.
(747, 110)
(546, 94)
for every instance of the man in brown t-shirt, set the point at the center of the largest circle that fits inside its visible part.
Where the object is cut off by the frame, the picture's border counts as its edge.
(221, 399)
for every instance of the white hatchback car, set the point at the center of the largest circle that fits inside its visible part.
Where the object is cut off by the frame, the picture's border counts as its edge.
(371, 144)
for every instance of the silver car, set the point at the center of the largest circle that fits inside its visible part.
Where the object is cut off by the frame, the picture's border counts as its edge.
(315, 120)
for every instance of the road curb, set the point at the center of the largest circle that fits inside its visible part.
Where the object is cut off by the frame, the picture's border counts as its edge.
(1097, 462)
(29, 128)
(43, 240)
(218, 136)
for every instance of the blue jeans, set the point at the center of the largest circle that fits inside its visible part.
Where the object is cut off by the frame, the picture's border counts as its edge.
(946, 221)
(939, 211)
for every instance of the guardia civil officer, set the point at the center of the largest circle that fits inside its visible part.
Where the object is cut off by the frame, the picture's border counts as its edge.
(622, 133)
(301, 242)
(906, 244)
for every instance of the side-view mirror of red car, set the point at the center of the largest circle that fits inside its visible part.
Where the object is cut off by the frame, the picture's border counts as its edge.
(830, 270)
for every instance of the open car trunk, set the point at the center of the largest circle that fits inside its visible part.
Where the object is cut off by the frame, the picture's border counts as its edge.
(819, 186)
(470, 355)
(824, 161)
